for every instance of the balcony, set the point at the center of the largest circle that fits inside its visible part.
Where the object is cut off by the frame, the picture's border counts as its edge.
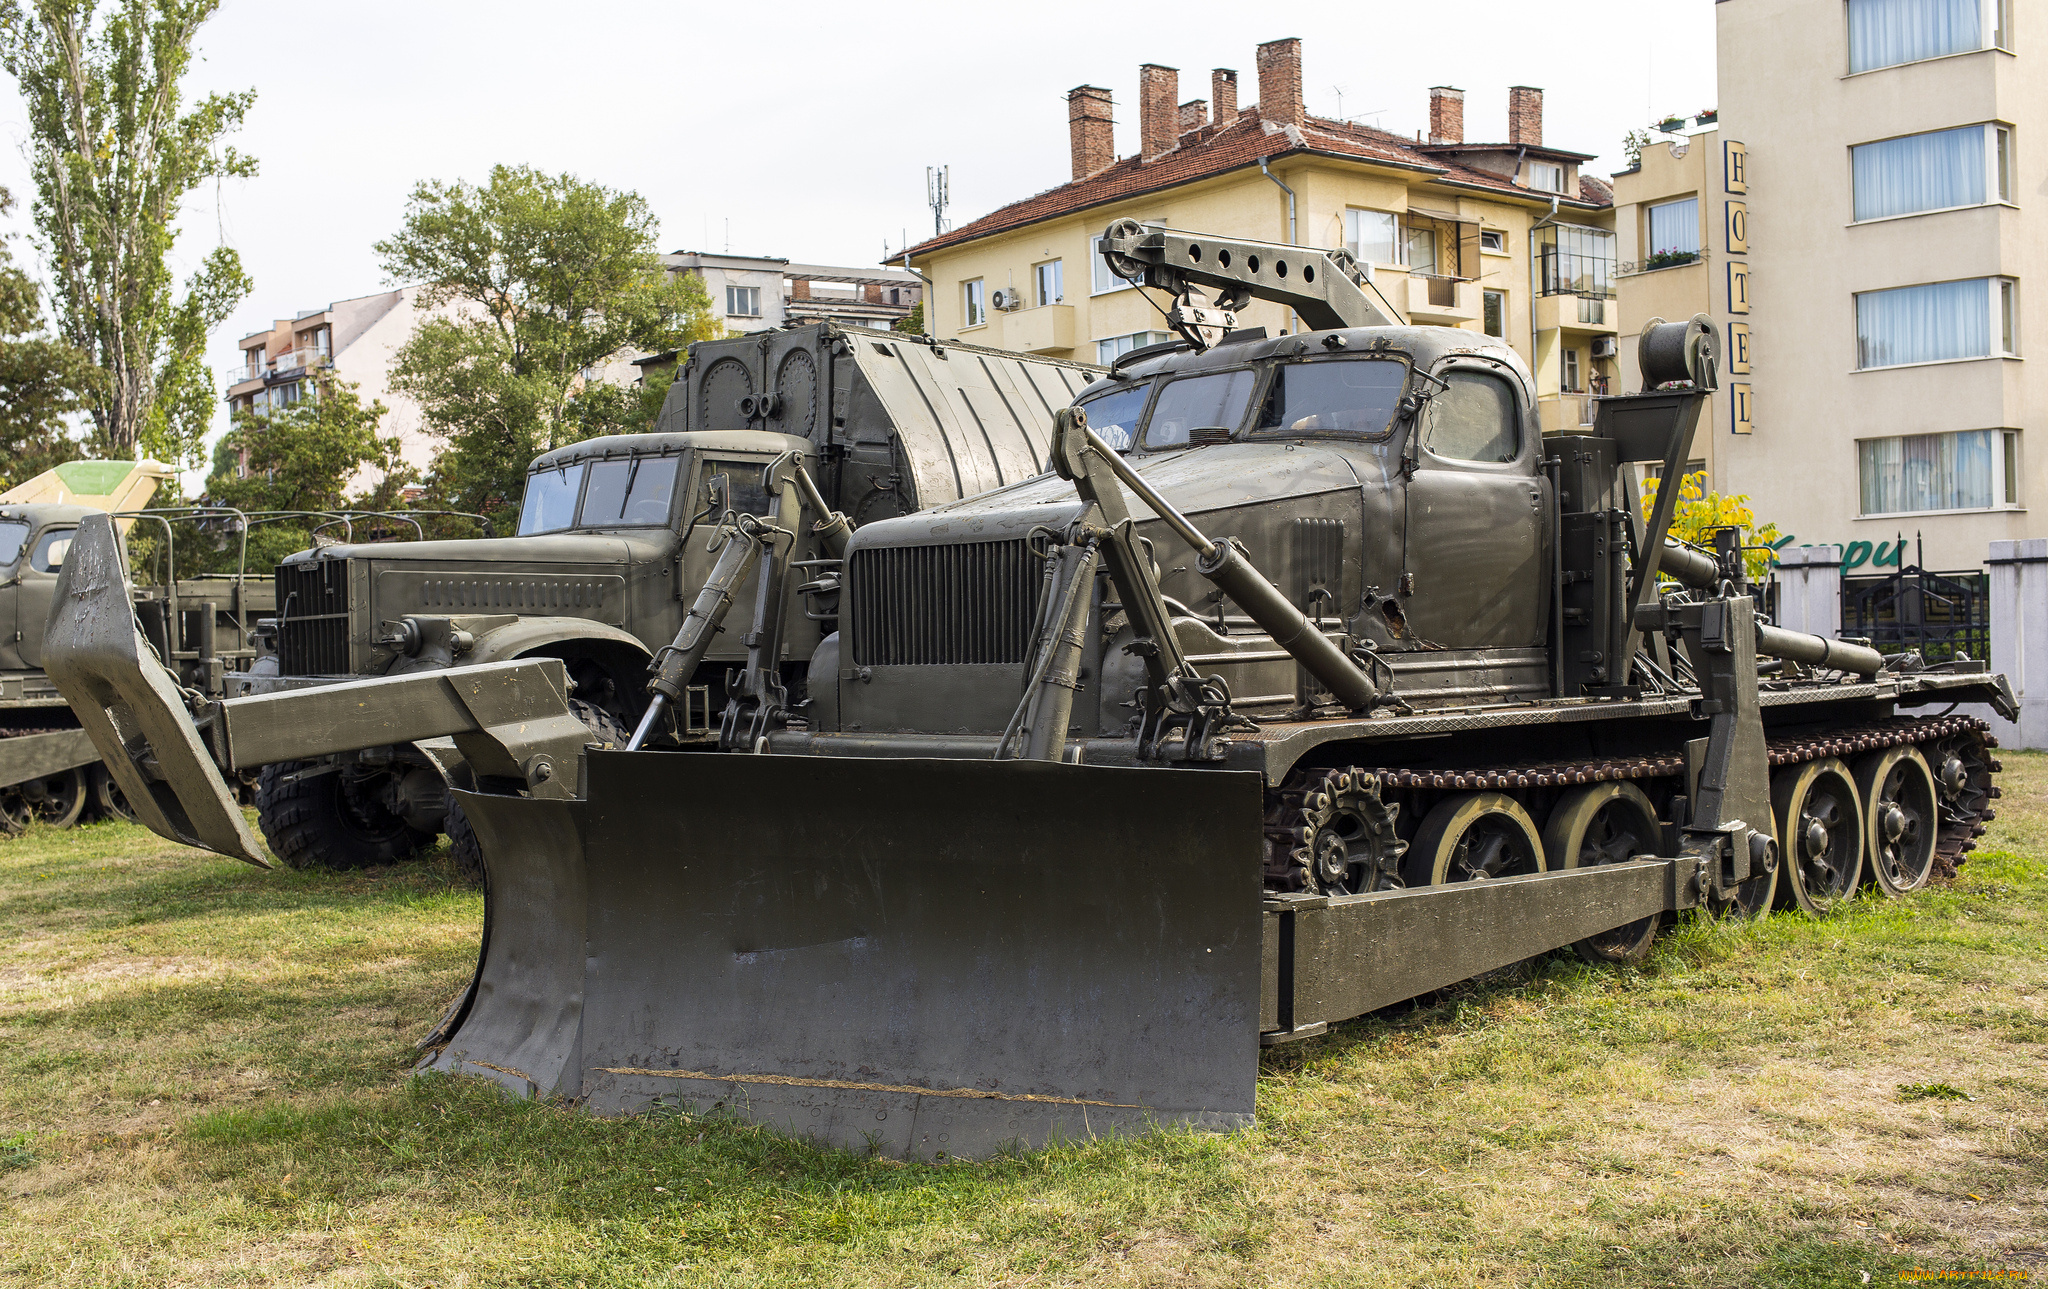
(1442, 301)
(1048, 329)
(295, 359)
(1595, 313)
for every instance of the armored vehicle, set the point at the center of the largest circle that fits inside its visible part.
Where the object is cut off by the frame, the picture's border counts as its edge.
(1086, 807)
(49, 771)
(618, 536)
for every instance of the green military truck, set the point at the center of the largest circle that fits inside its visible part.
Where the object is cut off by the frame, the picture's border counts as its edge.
(618, 535)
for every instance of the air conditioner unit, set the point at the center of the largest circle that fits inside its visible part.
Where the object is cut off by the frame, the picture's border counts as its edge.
(1006, 298)
(1603, 346)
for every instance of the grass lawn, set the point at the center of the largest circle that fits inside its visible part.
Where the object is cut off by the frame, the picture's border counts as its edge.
(204, 1081)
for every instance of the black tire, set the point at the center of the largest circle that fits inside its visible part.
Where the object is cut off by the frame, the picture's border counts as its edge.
(331, 820)
(463, 847)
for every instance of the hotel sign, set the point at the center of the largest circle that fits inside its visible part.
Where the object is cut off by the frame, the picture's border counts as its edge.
(1735, 241)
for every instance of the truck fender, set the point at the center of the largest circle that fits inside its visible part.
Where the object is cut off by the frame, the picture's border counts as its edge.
(622, 656)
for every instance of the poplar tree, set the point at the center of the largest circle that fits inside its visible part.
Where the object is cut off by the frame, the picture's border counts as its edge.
(114, 152)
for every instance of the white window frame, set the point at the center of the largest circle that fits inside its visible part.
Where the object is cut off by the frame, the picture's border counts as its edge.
(2001, 300)
(1059, 282)
(737, 294)
(1352, 242)
(1546, 169)
(1649, 211)
(2006, 474)
(1994, 19)
(1499, 244)
(973, 304)
(1502, 296)
(1574, 378)
(1139, 340)
(1998, 171)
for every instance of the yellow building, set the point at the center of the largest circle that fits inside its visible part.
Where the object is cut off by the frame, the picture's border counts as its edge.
(1506, 238)
(1668, 259)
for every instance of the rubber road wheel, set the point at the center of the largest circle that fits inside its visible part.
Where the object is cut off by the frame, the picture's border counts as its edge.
(104, 796)
(1900, 819)
(1471, 837)
(1820, 835)
(54, 799)
(1606, 823)
(331, 820)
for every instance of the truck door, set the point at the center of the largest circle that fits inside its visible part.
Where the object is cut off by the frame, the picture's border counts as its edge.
(38, 587)
(1474, 522)
(13, 546)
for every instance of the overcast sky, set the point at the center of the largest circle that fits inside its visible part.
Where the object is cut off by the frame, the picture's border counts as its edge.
(803, 130)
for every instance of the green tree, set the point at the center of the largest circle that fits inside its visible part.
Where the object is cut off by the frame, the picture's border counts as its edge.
(913, 322)
(42, 380)
(301, 457)
(549, 278)
(114, 153)
(1699, 512)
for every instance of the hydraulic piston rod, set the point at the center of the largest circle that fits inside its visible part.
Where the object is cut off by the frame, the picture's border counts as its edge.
(1224, 564)
(1700, 570)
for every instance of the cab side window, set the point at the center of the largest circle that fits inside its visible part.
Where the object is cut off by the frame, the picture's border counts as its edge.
(13, 536)
(51, 548)
(1473, 420)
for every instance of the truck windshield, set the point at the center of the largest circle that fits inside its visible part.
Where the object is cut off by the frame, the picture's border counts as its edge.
(550, 499)
(12, 534)
(1115, 415)
(1333, 396)
(635, 491)
(1198, 402)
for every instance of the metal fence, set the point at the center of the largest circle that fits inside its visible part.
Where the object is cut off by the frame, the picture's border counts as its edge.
(1937, 613)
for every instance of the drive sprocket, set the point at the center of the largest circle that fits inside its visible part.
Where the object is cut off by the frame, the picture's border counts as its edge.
(1330, 832)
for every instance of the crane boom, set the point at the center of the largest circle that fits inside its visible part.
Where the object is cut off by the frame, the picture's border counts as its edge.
(1328, 290)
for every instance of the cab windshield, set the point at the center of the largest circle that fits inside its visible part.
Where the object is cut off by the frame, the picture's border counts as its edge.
(550, 504)
(1115, 415)
(1213, 400)
(635, 491)
(1333, 396)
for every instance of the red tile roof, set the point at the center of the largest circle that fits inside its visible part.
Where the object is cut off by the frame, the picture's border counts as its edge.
(1212, 151)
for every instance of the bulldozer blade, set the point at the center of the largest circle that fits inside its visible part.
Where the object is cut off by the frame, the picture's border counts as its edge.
(922, 957)
(520, 1021)
(131, 707)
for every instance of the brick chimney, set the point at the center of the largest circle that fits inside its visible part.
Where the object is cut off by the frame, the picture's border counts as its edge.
(1446, 114)
(1280, 82)
(1223, 93)
(1090, 132)
(1158, 118)
(1194, 114)
(800, 289)
(1525, 115)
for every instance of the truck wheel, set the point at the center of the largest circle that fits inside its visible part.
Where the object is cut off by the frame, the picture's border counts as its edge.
(463, 847)
(331, 820)
(54, 799)
(104, 797)
(1606, 823)
(1820, 835)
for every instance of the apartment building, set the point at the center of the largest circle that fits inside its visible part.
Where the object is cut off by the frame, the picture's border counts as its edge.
(760, 293)
(349, 340)
(1670, 261)
(1508, 238)
(1870, 197)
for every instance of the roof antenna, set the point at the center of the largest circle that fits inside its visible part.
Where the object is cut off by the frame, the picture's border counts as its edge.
(937, 195)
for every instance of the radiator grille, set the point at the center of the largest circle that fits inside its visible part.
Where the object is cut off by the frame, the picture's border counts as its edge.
(926, 605)
(312, 609)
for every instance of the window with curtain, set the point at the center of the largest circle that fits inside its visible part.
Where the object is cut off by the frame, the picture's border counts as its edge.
(1919, 172)
(1675, 229)
(1956, 471)
(1939, 322)
(1372, 236)
(1884, 33)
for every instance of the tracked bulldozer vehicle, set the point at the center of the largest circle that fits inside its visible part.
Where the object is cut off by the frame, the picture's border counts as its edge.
(1311, 679)
(618, 538)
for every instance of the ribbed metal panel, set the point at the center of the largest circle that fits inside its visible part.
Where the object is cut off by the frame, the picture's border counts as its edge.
(937, 605)
(312, 607)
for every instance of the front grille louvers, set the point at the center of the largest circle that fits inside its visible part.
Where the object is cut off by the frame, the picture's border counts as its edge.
(312, 610)
(943, 605)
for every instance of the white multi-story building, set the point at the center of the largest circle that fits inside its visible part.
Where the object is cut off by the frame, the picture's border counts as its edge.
(1866, 212)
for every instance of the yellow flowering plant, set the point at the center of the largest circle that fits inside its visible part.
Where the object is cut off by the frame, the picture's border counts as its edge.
(1700, 512)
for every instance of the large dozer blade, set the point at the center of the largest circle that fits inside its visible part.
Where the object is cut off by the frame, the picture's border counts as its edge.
(928, 956)
(131, 707)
